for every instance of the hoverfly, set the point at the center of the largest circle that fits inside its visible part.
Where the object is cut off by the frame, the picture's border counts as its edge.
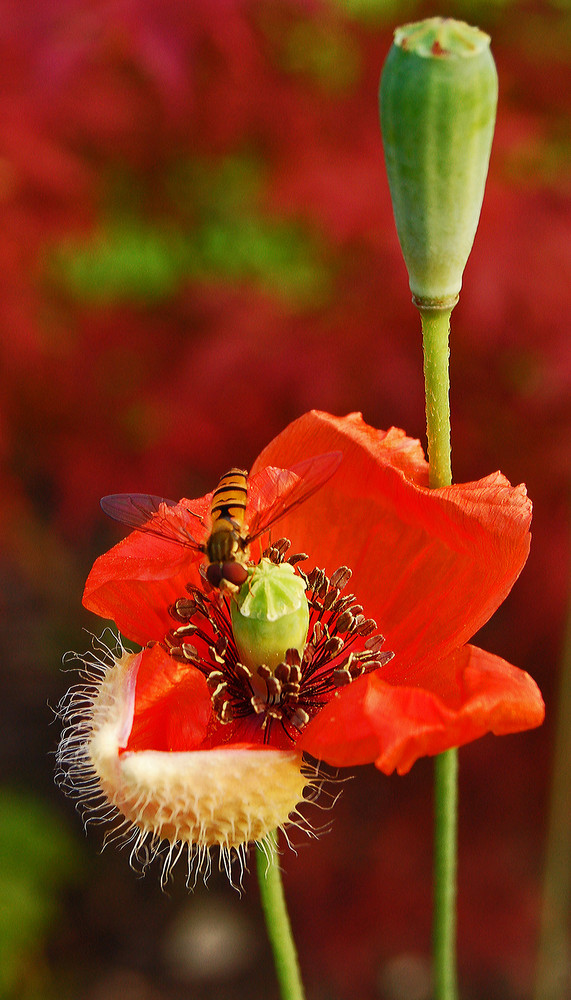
(242, 508)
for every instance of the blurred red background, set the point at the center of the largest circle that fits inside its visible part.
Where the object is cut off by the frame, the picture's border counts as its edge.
(196, 246)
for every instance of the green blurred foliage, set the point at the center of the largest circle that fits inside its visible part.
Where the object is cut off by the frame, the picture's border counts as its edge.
(128, 261)
(37, 859)
(377, 13)
(223, 232)
(324, 52)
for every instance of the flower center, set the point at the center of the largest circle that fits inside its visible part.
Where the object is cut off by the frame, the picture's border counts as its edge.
(341, 646)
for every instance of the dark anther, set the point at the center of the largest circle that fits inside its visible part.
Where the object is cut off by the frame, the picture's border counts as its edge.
(274, 686)
(183, 609)
(276, 551)
(383, 658)
(221, 644)
(297, 557)
(215, 657)
(316, 578)
(367, 626)
(243, 672)
(317, 633)
(308, 654)
(344, 603)
(190, 652)
(375, 642)
(292, 657)
(330, 599)
(333, 646)
(184, 630)
(367, 665)
(340, 578)
(282, 672)
(345, 622)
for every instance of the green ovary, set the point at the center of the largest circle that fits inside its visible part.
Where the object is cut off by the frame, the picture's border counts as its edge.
(270, 615)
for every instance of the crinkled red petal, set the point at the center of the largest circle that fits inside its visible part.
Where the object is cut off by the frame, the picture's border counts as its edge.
(139, 578)
(472, 693)
(431, 566)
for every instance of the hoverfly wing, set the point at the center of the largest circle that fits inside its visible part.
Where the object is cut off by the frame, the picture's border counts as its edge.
(143, 512)
(289, 489)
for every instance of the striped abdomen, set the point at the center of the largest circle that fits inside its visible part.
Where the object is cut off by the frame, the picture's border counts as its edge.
(227, 514)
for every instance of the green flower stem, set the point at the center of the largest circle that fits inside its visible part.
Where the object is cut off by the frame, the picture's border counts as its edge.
(445, 839)
(553, 977)
(277, 920)
(435, 335)
(435, 338)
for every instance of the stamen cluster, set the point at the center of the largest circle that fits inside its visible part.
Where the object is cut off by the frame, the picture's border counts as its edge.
(340, 646)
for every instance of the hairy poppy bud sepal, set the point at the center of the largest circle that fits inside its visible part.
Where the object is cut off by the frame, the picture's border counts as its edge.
(212, 797)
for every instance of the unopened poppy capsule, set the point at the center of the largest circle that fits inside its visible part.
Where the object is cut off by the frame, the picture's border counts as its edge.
(438, 98)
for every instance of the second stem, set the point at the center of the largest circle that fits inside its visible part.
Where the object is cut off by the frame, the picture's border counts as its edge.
(435, 336)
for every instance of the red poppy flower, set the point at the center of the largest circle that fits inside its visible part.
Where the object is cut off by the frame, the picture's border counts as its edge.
(431, 566)
(169, 725)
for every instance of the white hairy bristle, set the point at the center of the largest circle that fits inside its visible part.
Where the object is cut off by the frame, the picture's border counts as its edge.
(170, 803)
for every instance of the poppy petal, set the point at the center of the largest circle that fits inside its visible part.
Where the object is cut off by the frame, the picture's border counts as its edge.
(430, 566)
(474, 692)
(172, 705)
(136, 581)
(314, 432)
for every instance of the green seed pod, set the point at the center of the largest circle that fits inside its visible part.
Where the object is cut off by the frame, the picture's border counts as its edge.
(438, 98)
(270, 615)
